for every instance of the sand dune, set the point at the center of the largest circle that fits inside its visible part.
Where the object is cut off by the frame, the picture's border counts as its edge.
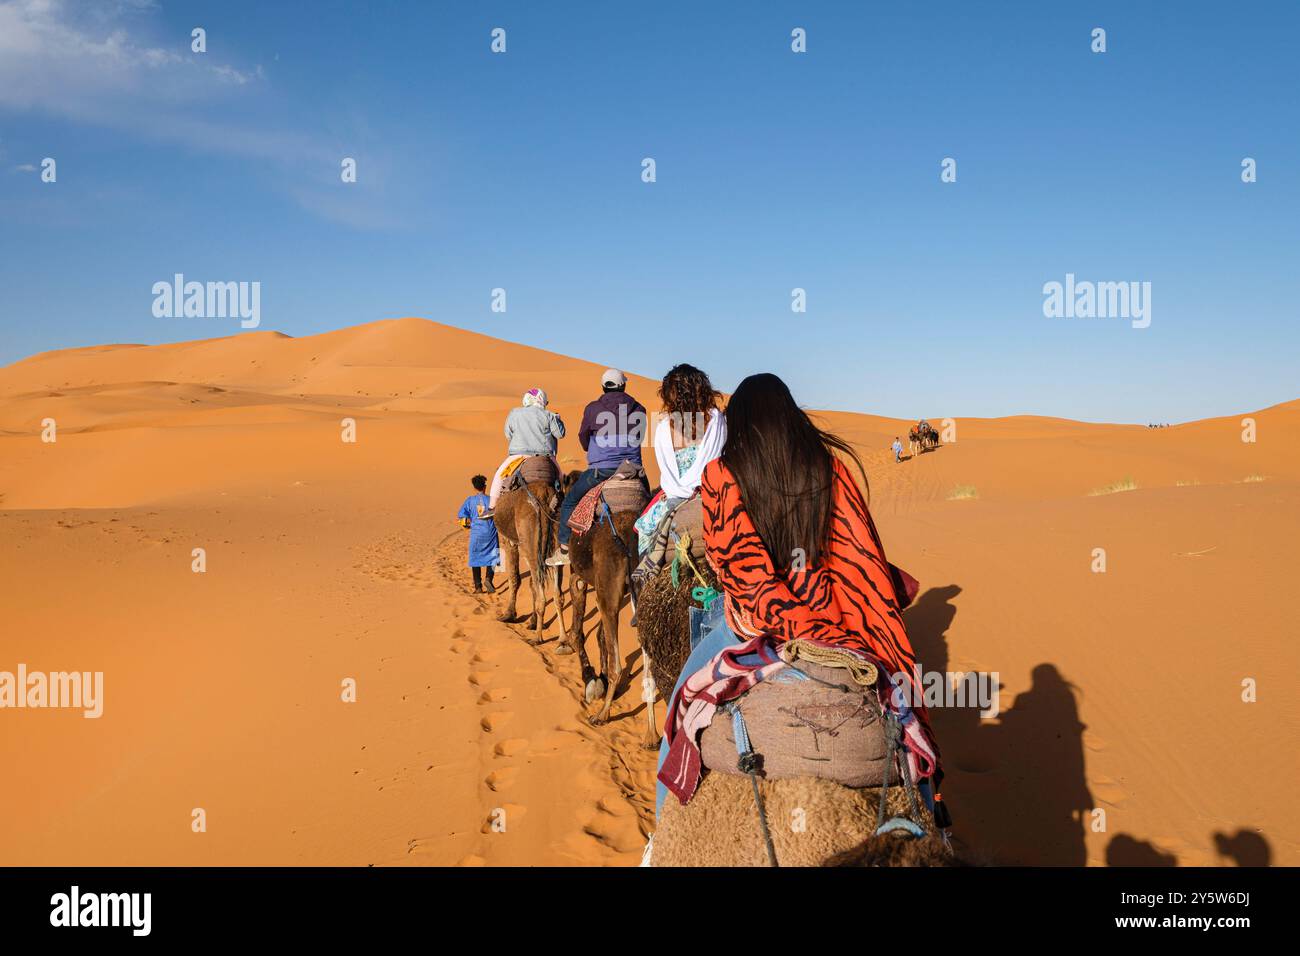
(326, 560)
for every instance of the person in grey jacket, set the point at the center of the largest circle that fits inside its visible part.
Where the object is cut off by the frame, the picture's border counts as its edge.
(531, 429)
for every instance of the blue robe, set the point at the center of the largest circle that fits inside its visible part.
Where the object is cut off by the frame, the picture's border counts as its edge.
(483, 548)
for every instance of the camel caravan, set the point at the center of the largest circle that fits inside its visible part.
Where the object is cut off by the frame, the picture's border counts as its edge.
(768, 617)
(921, 437)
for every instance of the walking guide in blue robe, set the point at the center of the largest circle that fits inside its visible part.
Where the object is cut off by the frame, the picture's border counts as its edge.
(484, 551)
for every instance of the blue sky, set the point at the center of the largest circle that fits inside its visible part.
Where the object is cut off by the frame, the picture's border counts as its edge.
(775, 170)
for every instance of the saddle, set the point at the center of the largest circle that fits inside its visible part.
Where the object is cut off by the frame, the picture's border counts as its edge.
(814, 719)
(688, 519)
(626, 490)
(531, 469)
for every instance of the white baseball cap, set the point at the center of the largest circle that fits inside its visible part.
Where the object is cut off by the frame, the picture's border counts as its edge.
(613, 376)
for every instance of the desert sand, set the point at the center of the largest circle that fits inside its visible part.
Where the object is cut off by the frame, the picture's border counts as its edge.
(327, 560)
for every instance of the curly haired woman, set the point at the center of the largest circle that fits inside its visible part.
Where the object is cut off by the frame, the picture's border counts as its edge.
(689, 435)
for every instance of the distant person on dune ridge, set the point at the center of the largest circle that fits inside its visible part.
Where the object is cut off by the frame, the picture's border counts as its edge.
(898, 450)
(483, 545)
(613, 427)
(531, 429)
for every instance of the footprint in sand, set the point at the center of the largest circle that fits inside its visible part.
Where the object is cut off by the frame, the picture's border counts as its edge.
(460, 647)
(496, 695)
(508, 748)
(478, 678)
(500, 779)
(492, 722)
(615, 826)
(502, 818)
(1094, 743)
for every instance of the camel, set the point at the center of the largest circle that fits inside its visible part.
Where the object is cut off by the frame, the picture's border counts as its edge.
(664, 630)
(720, 826)
(921, 437)
(527, 521)
(602, 559)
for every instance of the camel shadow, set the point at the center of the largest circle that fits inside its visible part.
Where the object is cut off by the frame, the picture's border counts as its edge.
(1015, 784)
(1245, 848)
(1124, 850)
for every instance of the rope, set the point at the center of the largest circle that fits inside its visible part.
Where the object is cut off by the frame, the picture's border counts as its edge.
(748, 763)
(863, 671)
(894, 736)
(705, 594)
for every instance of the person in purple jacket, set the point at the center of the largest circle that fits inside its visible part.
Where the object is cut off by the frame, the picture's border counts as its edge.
(611, 433)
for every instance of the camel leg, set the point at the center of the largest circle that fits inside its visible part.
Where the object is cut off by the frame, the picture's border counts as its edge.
(577, 641)
(611, 667)
(571, 633)
(556, 580)
(510, 558)
(651, 741)
(593, 684)
(536, 623)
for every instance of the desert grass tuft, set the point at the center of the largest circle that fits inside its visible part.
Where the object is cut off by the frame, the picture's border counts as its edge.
(1125, 484)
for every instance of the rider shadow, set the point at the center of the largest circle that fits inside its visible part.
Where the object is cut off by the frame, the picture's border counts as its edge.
(1015, 784)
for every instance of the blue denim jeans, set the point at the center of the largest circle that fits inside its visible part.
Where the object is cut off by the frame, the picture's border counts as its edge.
(714, 635)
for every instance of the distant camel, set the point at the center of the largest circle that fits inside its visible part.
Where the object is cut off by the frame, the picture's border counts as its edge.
(527, 519)
(913, 442)
(602, 558)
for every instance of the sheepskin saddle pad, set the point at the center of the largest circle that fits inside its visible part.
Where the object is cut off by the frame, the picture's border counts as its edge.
(809, 720)
(811, 821)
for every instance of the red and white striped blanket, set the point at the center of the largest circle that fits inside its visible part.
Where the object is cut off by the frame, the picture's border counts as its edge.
(584, 512)
(733, 671)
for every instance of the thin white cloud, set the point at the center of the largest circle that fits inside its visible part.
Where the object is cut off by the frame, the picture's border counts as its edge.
(92, 63)
(83, 62)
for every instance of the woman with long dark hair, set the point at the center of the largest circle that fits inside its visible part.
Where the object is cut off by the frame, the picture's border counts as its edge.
(789, 534)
